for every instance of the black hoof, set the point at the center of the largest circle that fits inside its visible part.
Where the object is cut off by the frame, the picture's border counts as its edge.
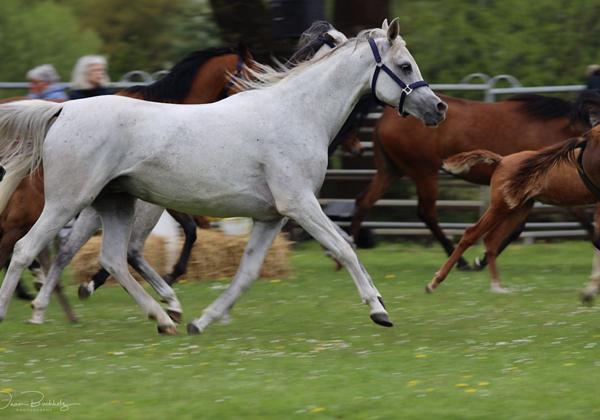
(479, 264)
(587, 299)
(167, 329)
(83, 292)
(175, 316)
(25, 296)
(192, 329)
(464, 267)
(382, 319)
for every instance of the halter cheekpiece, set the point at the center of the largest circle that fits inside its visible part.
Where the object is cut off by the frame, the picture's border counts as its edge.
(406, 89)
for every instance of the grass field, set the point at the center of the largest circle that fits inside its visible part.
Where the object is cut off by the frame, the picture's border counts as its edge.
(304, 347)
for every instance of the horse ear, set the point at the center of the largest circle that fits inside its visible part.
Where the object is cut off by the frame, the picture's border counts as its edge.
(385, 25)
(393, 30)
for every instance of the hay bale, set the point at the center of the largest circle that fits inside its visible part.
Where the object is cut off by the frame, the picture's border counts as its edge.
(85, 263)
(216, 255)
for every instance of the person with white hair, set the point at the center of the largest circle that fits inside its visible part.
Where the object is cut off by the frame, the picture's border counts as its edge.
(43, 83)
(89, 77)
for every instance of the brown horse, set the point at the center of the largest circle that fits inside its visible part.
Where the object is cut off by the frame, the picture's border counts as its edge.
(402, 146)
(511, 200)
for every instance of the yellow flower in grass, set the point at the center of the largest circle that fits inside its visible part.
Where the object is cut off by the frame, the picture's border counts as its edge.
(461, 385)
(275, 280)
(420, 356)
(483, 383)
(6, 390)
(389, 276)
(470, 390)
(569, 364)
(412, 383)
(317, 409)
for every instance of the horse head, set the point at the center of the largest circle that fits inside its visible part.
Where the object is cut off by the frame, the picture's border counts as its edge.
(404, 86)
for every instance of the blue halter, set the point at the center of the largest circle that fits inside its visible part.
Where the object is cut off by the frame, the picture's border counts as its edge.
(406, 89)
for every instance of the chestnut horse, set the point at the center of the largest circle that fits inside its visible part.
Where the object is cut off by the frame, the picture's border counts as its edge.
(509, 204)
(403, 146)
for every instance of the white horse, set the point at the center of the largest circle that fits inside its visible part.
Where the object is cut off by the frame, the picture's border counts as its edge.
(261, 154)
(317, 40)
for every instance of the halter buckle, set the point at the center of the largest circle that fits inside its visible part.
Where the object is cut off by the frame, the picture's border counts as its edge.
(407, 90)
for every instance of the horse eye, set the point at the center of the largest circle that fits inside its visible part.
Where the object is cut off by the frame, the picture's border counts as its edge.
(406, 68)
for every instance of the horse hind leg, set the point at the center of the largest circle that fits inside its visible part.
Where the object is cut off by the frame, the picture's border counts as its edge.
(26, 249)
(491, 218)
(116, 212)
(498, 238)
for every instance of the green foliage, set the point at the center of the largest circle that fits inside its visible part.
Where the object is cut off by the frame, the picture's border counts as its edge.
(34, 33)
(147, 35)
(541, 42)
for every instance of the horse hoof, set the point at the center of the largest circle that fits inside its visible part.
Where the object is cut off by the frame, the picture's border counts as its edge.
(174, 315)
(499, 289)
(463, 267)
(83, 292)
(167, 329)
(381, 318)
(428, 289)
(192, 329)
(479, 264)
(587, 299)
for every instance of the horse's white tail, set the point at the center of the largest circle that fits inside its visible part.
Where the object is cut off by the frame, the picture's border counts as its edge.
(23, 127)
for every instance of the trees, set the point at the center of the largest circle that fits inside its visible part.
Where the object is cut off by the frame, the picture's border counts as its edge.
(34, 33)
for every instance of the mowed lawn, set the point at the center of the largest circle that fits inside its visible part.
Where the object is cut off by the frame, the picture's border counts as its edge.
(304, 346)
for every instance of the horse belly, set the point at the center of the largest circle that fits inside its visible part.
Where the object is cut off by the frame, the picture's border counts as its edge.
(203, 199)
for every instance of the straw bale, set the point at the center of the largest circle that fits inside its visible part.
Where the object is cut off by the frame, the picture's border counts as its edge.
(216, 255)
(85, 263)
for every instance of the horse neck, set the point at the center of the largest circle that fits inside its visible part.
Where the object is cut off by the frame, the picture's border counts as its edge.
(211, 80)
(330, 88)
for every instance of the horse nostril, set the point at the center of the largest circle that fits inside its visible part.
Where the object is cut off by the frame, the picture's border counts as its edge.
(442, 106)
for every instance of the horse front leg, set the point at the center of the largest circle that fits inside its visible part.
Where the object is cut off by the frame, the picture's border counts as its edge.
(261, 238)
(307, 212)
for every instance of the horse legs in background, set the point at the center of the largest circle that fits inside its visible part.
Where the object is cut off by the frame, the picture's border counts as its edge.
(427, 192)
(188, 224)
(481, 263)
(492, 217)
(497, 239)
(366, 200)
(45, 261)
(593, 287)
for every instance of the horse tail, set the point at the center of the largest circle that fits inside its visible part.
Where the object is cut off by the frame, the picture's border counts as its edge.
(462, 162)
(23, 127)
(532, 170)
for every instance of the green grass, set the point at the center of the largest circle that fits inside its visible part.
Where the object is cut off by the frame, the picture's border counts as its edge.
(304, 347)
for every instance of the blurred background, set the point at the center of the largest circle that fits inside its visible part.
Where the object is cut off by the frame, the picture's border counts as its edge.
(541, 42)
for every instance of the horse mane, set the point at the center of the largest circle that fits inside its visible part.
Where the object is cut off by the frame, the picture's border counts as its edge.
(263, 76)
(543, 107)
(175, 86)
(309, 42)
(533, 169)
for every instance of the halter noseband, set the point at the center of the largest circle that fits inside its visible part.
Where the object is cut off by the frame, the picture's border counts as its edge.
(406, 89)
